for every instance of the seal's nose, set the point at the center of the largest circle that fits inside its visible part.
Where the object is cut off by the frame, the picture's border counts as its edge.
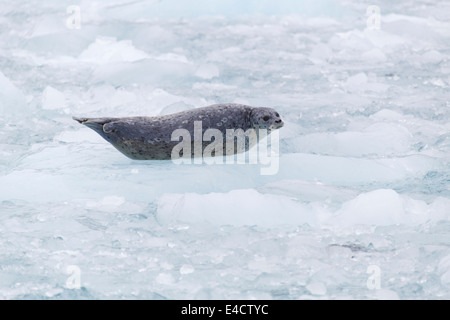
(277, 124)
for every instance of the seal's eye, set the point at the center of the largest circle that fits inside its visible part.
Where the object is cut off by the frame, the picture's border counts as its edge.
(277, 115)
(266, 118)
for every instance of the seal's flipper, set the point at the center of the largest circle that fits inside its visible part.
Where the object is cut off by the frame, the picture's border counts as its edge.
(80, 120)
(95, 124)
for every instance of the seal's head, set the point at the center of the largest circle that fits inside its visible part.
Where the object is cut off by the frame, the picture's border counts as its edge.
(266, 118)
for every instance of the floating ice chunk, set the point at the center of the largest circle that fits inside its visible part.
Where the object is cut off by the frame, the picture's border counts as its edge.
(445, 278)
(107, 204)
(143, 71)
(48, 25)
(12, 99)
(308, 191)
(321, 53)
(381, 208)
(383, 39)
(124, 102)
(107, 98)
(432, 56)
(360, 82)
(175, 107)
(374, 55)
(260, 84)
(207, 71)
(173, 57)
(436, 82)
(53, 292)
(28, 184)
(317, 288)
(315, 21)
(237, 208)
(383, 139)
(166, 266)
(386, 114)
(187, 269)
(364, 41)
(161, 99)
(385, 294)
(107, 50)
(165, 279)
(417, 29)
(213, 86)
(357, 79)
(378, 139)
(439, 209)
(351, 171)
(53, 99)
(444, 268)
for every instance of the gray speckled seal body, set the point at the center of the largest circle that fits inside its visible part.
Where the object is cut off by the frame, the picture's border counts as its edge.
(150, 138)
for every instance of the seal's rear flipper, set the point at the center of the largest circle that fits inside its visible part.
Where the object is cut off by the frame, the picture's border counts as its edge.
(80, 120)
(95, 124)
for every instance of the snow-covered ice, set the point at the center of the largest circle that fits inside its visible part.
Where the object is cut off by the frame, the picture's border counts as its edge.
(364, 170)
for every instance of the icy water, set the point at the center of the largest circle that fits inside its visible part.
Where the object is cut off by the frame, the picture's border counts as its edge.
(359, 208)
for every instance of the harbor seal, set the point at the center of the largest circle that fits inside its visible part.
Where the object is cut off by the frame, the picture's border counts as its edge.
(151, 138)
